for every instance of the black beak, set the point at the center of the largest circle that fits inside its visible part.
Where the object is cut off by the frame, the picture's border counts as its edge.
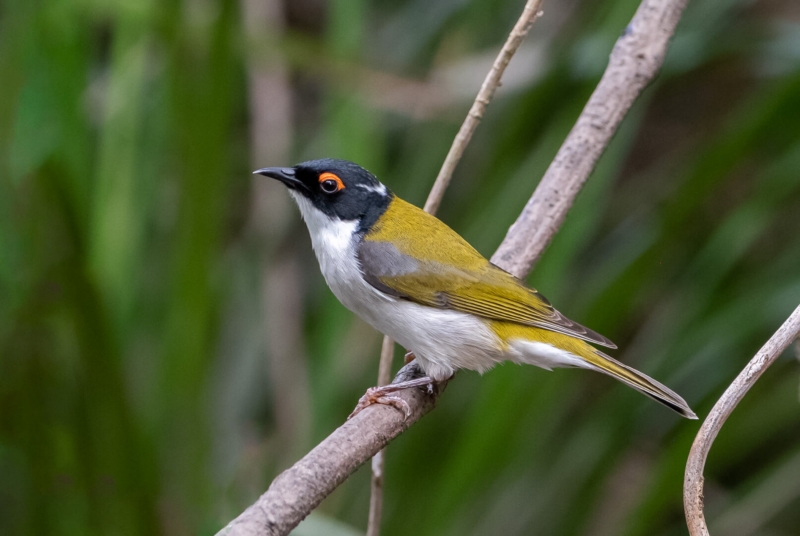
(283, 174)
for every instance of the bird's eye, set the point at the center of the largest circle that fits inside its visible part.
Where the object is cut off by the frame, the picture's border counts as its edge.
(330, 183)
(329, 186)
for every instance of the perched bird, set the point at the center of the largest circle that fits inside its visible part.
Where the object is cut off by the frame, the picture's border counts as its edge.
(416, 280)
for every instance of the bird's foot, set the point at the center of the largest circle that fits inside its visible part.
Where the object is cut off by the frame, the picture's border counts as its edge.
(408, 358)
(375, 396)
(383, 395)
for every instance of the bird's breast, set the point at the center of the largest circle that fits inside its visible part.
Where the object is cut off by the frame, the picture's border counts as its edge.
(443, 340)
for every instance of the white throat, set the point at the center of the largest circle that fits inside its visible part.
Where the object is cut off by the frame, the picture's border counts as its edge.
(330, 237)
(334, 243)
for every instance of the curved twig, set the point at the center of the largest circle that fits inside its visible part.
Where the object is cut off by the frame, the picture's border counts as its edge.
(693, 479)
(634, 62)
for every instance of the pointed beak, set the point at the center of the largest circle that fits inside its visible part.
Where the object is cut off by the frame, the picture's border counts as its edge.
(285, 175)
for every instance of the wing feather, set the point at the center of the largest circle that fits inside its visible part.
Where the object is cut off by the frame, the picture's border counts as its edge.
(481, 289)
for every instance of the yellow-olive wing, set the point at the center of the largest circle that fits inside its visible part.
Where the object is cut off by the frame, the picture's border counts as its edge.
(476, 287)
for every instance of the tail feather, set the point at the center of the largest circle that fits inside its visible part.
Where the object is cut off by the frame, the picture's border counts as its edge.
(641, 382)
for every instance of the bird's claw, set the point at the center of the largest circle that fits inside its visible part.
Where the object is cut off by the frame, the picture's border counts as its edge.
(374, 395)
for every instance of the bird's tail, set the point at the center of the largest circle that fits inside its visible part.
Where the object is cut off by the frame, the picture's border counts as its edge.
(641, 382)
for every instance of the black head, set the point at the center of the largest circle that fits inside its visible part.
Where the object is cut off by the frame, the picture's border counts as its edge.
(338, 188)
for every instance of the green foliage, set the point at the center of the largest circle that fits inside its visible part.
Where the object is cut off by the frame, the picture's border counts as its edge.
(140, 391)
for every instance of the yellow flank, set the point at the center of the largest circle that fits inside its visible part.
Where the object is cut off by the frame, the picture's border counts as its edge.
(508, 331)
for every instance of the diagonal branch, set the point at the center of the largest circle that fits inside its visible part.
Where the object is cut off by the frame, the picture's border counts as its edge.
(693, 480)
(634, 62)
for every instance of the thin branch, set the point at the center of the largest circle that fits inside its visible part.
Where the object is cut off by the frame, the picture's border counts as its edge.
(376, 495)
(634, 62)
(385, 367)
(797, 355)
(693, 479)
(490, 84)
(376, 486)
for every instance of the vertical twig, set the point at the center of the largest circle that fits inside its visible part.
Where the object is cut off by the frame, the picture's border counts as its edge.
(376, 487)
(529, 15)
(693, 479)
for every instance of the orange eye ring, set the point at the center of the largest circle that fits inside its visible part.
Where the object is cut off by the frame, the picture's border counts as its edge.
(330, 183)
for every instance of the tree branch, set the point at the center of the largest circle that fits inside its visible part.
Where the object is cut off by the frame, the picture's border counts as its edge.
(299, 489)
(693, 479)
(634, 61)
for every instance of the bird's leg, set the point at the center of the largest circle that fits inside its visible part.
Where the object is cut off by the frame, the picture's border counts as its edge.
(382, 395)
(408, 358)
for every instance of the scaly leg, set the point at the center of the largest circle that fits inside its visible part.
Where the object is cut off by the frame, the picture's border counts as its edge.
(382, 395)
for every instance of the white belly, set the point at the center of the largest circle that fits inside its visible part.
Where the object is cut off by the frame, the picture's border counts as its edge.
(442, 340)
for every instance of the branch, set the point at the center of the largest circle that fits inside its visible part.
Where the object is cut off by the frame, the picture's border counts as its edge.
(693, 480)
(299, 489)
(376, 484)
(634, 62)
(490, 84)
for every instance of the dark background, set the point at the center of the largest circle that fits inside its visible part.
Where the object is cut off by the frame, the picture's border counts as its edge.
(167, 344)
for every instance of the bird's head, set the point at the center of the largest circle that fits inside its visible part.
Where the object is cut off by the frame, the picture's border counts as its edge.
(339, 190)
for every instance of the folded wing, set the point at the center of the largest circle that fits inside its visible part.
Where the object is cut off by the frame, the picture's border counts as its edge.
(476, 287)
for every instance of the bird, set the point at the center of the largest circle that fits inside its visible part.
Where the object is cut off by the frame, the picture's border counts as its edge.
(413, 278)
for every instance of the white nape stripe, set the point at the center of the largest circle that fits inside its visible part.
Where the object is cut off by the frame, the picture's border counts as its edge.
(380, 188)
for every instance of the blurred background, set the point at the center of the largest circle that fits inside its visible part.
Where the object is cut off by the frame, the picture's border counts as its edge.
(167, 344)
